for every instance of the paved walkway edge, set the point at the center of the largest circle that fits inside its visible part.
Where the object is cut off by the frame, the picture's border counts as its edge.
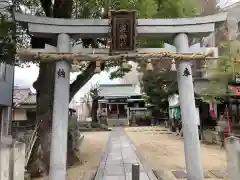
(101, 166)
(145, 164)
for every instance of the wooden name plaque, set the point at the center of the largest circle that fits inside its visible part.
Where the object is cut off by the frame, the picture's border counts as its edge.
(123, 31)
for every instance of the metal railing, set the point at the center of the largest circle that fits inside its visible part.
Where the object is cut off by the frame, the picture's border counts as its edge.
(31, 143)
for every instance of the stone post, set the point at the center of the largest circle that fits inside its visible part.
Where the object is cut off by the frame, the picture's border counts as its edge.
(188, 113)
(233, 157)
(135, 172)
(5, 157)
(58, 153)
(5, 151)
(18, 154)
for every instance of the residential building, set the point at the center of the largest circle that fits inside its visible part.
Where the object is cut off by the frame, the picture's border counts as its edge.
(6, 96)
(232, 27)
(233, 18)
(24, 109)
(222, 33)
(229, 106)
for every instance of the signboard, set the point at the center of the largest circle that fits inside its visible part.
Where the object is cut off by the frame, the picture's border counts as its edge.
(118, 100)
(235, 90)
(123, 31)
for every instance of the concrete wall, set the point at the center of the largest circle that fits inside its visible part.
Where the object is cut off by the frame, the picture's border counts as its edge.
(12, 161)
(233, 18)
(6, 95)
(19, 115)
(6, 86)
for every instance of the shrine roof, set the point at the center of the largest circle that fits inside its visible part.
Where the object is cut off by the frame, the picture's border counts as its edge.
(117, 90)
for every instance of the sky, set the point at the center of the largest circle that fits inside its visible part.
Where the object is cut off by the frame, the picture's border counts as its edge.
(24, 77)
(227, 2)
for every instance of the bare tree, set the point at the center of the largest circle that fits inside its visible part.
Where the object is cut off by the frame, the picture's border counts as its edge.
(86, 99)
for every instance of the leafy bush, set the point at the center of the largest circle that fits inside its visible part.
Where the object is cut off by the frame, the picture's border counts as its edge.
(95, 125)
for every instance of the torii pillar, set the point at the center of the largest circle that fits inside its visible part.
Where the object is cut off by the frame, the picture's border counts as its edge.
(58, 153)
(187, 103)
(188, 112)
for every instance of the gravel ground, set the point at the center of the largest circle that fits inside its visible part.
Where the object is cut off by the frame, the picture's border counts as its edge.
(165, 152)
(92, 149)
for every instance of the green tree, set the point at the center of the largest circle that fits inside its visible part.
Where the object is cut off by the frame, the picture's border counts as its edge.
(158, 89)
(158, 84)
(7, 35)
(221, 72)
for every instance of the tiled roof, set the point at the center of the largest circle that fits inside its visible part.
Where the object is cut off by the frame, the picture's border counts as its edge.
(20, 94)
(30, 100)
(23, 96)
(117, 90)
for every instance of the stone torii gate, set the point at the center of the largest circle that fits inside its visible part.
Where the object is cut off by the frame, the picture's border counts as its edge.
(177, 30)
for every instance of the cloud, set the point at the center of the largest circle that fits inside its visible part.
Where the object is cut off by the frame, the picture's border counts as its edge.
(24, 77)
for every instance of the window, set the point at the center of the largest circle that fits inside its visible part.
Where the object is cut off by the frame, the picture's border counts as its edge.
(2, 71)
(31, 115)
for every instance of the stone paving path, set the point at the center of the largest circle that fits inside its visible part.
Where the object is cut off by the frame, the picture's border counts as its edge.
(120, 154)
